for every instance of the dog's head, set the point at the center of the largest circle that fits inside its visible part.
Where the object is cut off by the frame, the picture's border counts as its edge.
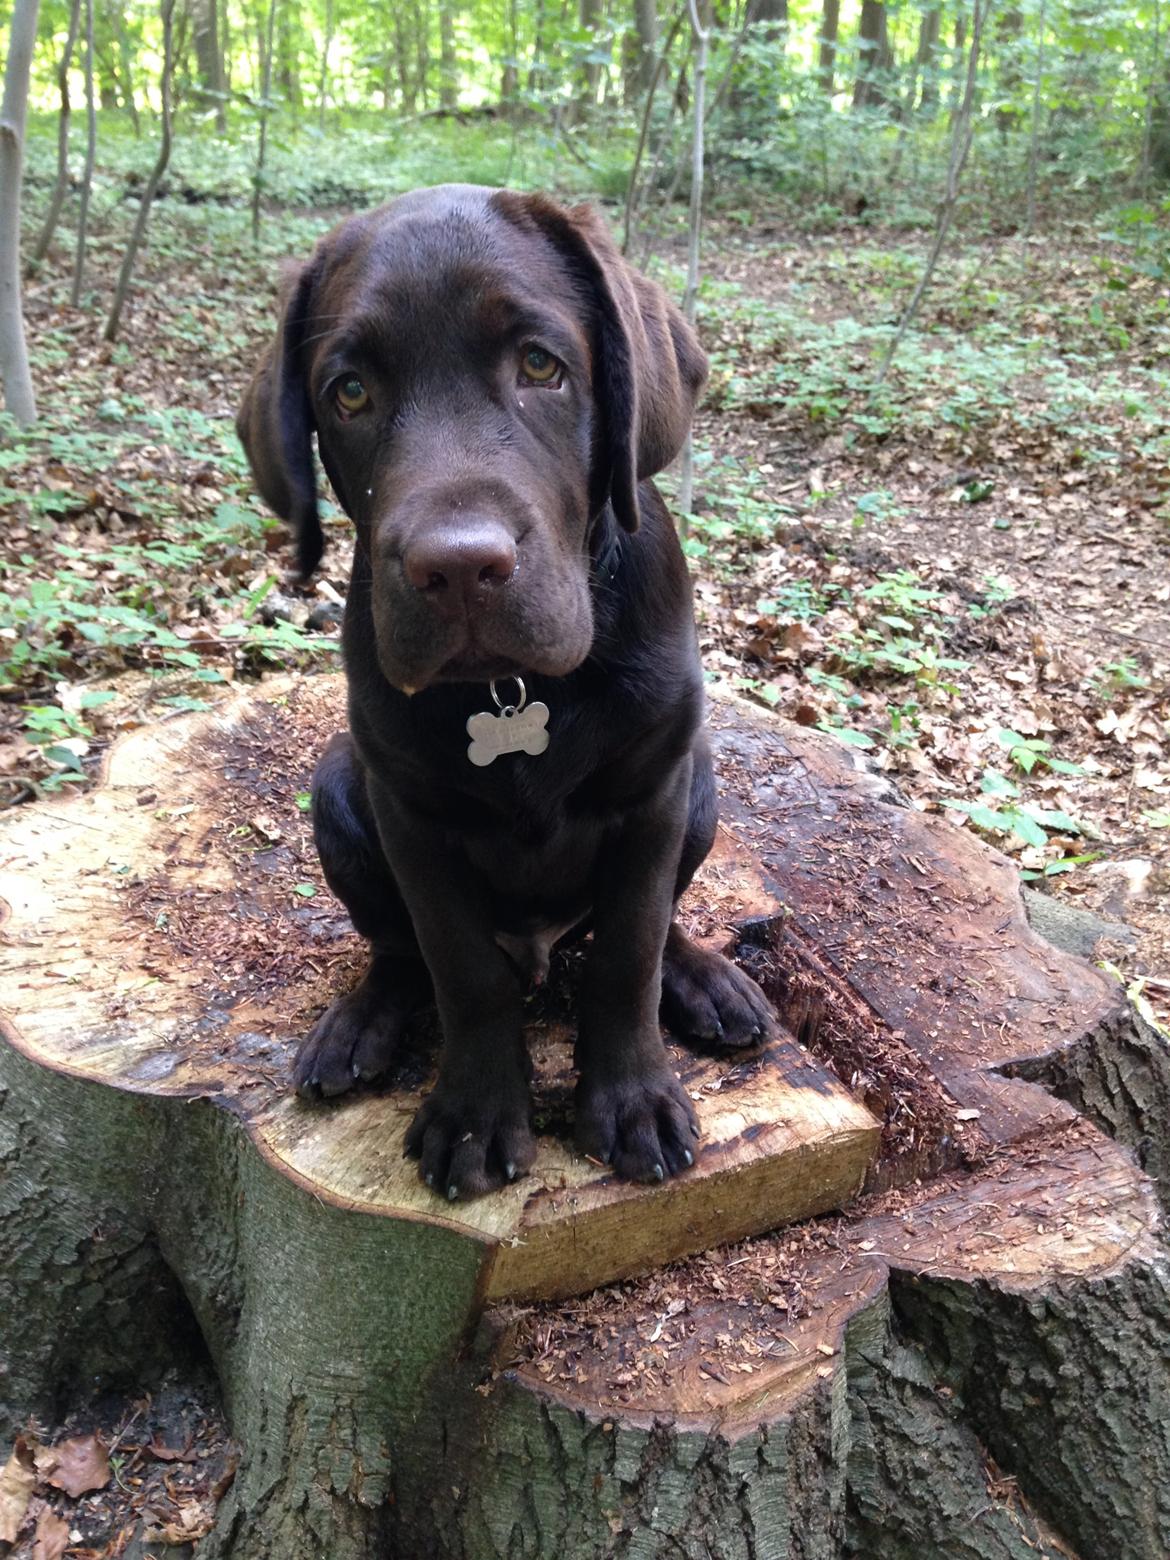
(484, 374)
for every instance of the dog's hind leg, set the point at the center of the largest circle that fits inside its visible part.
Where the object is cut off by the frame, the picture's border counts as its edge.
(357, 1037)
(704, 996)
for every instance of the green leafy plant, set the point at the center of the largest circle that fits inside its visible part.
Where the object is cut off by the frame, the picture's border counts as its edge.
(1029, 753)
(1004, 814)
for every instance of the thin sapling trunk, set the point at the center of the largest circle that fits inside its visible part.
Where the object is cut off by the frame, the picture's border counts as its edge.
(156, 173)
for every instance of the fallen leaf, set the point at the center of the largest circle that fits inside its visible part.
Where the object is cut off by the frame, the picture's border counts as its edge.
(194, 1522)
(52, 1536)
(17, 1481)
(75, 1466)
(170, 1453)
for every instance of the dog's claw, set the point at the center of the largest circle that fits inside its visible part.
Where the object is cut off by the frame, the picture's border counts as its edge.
(510, 1171)
(430, 1180)
(689, 1157)
(452, 1193)
(659, 1173)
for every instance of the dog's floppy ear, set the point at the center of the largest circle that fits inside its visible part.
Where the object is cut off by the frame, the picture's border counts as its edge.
(650, 367)
(275, 421)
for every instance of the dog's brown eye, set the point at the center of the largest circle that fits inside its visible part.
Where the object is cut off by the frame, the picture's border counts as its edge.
(351, 396)
(539, 367)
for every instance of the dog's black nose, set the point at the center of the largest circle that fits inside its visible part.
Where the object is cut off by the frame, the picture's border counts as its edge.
(463, 561)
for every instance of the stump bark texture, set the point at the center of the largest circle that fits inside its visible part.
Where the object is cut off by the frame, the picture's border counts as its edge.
(912, 1300)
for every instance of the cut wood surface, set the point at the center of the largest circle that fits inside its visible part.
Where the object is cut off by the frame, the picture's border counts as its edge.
(945, 1329)
(161, 938)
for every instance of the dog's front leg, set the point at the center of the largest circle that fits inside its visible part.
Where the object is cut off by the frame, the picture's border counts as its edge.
(473, 1131)
(632, 1111)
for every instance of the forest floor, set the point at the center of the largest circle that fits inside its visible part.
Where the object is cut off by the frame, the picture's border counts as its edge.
(964, 574)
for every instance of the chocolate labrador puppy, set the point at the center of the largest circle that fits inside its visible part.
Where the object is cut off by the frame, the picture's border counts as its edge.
(491, 387)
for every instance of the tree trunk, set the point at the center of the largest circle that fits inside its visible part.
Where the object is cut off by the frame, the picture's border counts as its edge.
(962, 132)
(700, 25)
(61, 183)
(265, 109)
(1157, 156)
(928, 50)
(289, 73)
(204, 15)
(327, 44)
(90, 158)
(402, 56)
(646, 28)
(448, 61)
(591, 14)
(19, 397)
(1034, 135)
(536, 60)
(156, 174)
(874, 57)
(960, 60)
(1008, 28)
(833, 1390)
(510, 76)
(126, 68)
(827, 45)
(772, 18)
(644, 129)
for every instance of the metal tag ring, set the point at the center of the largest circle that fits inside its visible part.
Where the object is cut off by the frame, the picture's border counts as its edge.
(513, 709)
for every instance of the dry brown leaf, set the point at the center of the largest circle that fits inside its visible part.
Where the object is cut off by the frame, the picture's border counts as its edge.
(17, 1481)
(52, 1536)
(170, 1453)
(76, 1466)
(194, 1522)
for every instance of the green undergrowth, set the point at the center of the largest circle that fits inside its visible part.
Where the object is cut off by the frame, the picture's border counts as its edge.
(1088, 373)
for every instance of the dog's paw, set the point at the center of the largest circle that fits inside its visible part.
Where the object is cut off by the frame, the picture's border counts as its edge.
(705, 997)
(467, 1146)
(644, 1126)
(350, 1043)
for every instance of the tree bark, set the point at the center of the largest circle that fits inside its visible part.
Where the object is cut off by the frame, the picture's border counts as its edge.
(411, 1378)
(827, 45)
(156, 175)
(646, 27)
(205, 31)
(126, 77)
(874, 57)
(1157, 154)
(928, 42)
(1034, 134)
(700, 32)
(19, 397)
(265, 110)
(1008, 27)
(510, 76)
(90, 158)
(448, 61)
(644, 128)
(591, 14)
(289, 74)
(326, 45)
(963, 130)
(61, 183)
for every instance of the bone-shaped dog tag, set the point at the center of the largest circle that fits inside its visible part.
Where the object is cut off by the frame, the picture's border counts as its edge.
(518, 728)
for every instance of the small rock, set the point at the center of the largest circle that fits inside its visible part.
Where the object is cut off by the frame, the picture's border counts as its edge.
(324, 617)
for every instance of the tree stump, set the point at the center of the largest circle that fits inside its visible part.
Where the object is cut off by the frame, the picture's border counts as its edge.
(949, 1289)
